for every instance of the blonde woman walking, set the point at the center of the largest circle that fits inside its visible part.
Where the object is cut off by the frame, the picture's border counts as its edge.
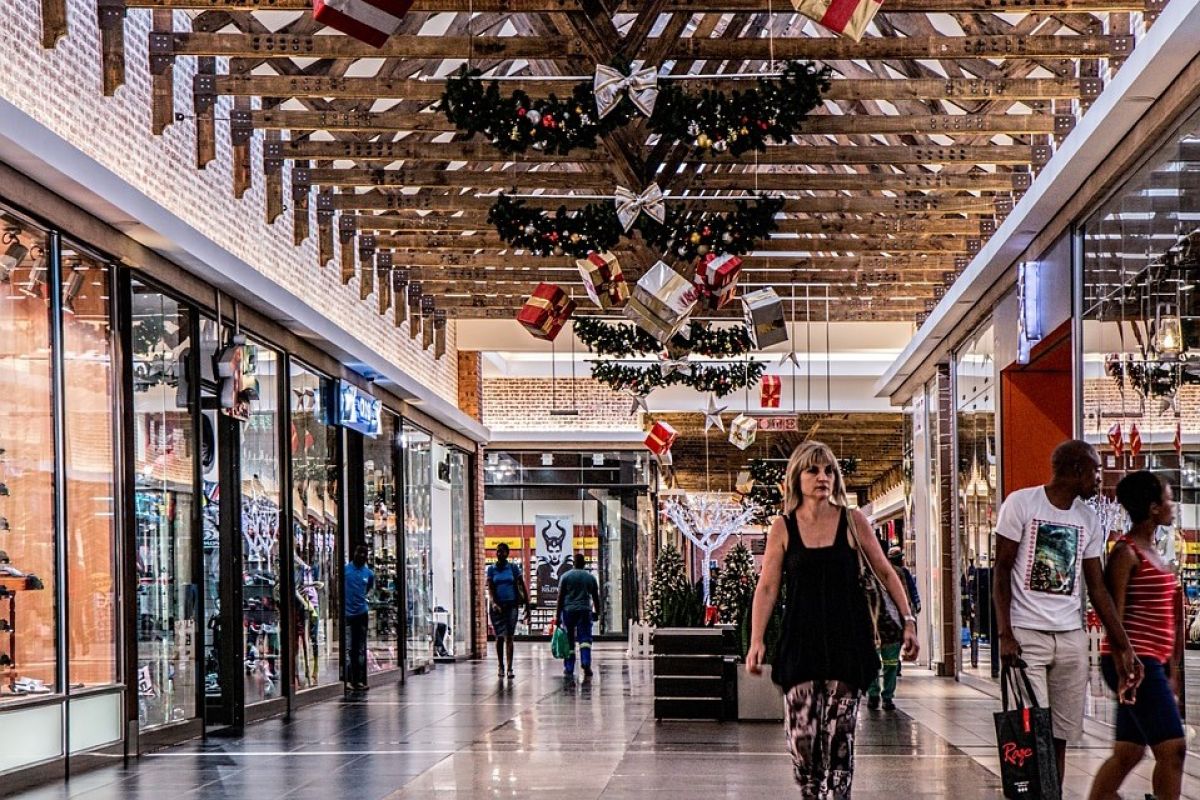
(826, 656)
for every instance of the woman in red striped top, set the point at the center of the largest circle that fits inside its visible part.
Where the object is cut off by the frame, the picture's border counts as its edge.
(1143, 588)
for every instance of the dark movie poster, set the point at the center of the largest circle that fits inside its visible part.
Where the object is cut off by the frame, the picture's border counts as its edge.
(554, 540)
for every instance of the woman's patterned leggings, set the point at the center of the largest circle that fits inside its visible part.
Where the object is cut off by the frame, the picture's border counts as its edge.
(820, 730)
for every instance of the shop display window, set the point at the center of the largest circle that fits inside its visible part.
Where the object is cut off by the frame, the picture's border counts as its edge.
(1140, 346)
(89, 470)
(261, 495)
(457, 640)
(316, 531)
(28, 590)
(417, 449)
(380, 536)
(977, 484)
(164, 453)
(547, 506)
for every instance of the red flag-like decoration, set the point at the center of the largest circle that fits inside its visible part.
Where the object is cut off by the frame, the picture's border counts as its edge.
(370, 21)
(1135, 440)
(1117, 439)
(1178, 439)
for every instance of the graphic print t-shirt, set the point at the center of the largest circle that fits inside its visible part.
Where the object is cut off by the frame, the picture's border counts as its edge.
(1047, 579)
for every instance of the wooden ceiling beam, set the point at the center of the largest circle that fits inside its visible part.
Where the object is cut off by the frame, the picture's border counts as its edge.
(922, 204)
(677, 6)
(830, 124)
(383, 88)
(948, 226)
(786, 268)
(813, 244)
(563, 48)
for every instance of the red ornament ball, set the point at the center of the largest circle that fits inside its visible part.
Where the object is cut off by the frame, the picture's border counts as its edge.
(521, 111)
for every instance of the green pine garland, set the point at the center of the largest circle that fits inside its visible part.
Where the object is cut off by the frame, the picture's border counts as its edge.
(742, 121)
(687, 233)
(627, 341)
(720, 379)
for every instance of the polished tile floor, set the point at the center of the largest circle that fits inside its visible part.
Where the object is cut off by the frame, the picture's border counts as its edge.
(459, 732)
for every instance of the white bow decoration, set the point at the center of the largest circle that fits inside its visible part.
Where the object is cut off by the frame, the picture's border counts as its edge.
(609, 84)
(629, 205)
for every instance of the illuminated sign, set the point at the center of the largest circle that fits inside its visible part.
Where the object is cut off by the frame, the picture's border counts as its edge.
(1029, 317)
(359, 411)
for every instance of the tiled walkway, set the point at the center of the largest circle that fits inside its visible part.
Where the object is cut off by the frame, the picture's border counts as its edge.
(459, 732)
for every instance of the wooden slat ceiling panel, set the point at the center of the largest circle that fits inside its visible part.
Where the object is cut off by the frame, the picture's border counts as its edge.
(934, 125)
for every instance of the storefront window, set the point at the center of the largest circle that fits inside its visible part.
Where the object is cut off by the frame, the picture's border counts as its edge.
(548, 506)
(164, 453)
(978, 491)
(316, 563)
(28, 651)
(91, 491)
(261, 494)
(379, 524)
(1141, 334)
(418, 546)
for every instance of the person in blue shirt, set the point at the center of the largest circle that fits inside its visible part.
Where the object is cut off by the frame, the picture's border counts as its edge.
(359, 580)
(506, 588)
(578, 605)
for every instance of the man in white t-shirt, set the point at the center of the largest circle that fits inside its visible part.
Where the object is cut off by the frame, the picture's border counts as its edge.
(1048, 544)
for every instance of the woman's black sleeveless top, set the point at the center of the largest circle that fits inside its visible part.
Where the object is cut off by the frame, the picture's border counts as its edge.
(827, 632)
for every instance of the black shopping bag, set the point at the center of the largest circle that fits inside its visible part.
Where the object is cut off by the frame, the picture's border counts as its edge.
(1025, 739)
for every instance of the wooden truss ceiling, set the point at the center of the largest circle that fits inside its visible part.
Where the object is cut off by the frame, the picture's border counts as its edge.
(874, 440)
(935, 124)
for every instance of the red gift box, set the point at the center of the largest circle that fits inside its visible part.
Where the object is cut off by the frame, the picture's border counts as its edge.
(716, 278)
(546, 311)
(603, 279)
(847, 17)
(660, 438)
(771, 391)
(370, 21)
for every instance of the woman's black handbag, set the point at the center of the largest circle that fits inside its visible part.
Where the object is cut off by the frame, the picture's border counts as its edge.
(1025, 738)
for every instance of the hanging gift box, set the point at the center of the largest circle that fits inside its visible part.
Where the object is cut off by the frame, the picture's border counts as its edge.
(546, 311)
(661, 302)
(370, 21)
(660, 438)
(764, 318)
(770, 391)
(716, 278)
(846, 17)
(742, 431)
(603, 279)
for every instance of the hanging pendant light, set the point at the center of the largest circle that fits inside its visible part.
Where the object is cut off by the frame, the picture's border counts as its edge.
(1168, 335)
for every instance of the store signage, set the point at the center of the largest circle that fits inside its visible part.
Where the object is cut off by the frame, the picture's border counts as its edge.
(1029, 317)
(359, 411)
(776, 423)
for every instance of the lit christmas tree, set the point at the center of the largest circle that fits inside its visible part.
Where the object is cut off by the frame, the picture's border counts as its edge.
(735, 585)
(673, 602)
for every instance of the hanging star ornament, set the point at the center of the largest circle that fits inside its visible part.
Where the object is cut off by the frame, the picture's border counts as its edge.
(712, 415)
(639, 403)
(790, 356)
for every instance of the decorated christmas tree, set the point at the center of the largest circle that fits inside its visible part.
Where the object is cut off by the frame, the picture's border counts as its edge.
(735, 585)
(673, 601)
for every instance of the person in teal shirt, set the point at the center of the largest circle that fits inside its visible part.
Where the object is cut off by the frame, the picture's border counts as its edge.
(358, 581)
(578, 605)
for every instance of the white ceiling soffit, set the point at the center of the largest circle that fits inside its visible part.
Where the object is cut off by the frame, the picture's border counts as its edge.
(1166, 49)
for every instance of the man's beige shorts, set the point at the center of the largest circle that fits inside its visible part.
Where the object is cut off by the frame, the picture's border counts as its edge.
(1057, 664)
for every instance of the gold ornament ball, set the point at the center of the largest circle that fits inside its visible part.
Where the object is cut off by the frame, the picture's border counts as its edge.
(702, 249)
(694, 238)
(703, 141)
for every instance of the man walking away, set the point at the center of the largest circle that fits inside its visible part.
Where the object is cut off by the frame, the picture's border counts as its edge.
(359, 580)
(578, 595)
(889, 653)
(896, 556)
(1048, 544)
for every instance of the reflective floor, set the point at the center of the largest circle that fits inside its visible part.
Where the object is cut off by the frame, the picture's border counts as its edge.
(459, 732)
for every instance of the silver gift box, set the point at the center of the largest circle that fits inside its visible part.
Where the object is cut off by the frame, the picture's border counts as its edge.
(661, 302)
(764, 318)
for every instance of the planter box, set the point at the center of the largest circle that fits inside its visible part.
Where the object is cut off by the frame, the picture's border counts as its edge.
(758, 698)
(694, 673)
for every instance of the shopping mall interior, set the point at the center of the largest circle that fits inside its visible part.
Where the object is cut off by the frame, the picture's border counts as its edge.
(288, 280)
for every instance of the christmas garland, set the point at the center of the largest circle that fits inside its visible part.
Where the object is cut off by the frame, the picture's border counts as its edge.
(720, 379)
(1150, 378)
(625, 341)
(595, 228)
(739, 122)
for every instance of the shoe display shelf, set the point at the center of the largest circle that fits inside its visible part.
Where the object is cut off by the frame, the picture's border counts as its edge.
(10, 585)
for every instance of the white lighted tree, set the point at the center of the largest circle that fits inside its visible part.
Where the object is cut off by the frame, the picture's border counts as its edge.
(708, 520)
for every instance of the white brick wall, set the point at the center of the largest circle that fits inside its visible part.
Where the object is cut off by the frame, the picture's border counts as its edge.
(523, 404)
(61, 88)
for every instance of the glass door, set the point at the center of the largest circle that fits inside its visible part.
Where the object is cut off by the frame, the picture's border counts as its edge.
(164, 453)
(418, 545)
